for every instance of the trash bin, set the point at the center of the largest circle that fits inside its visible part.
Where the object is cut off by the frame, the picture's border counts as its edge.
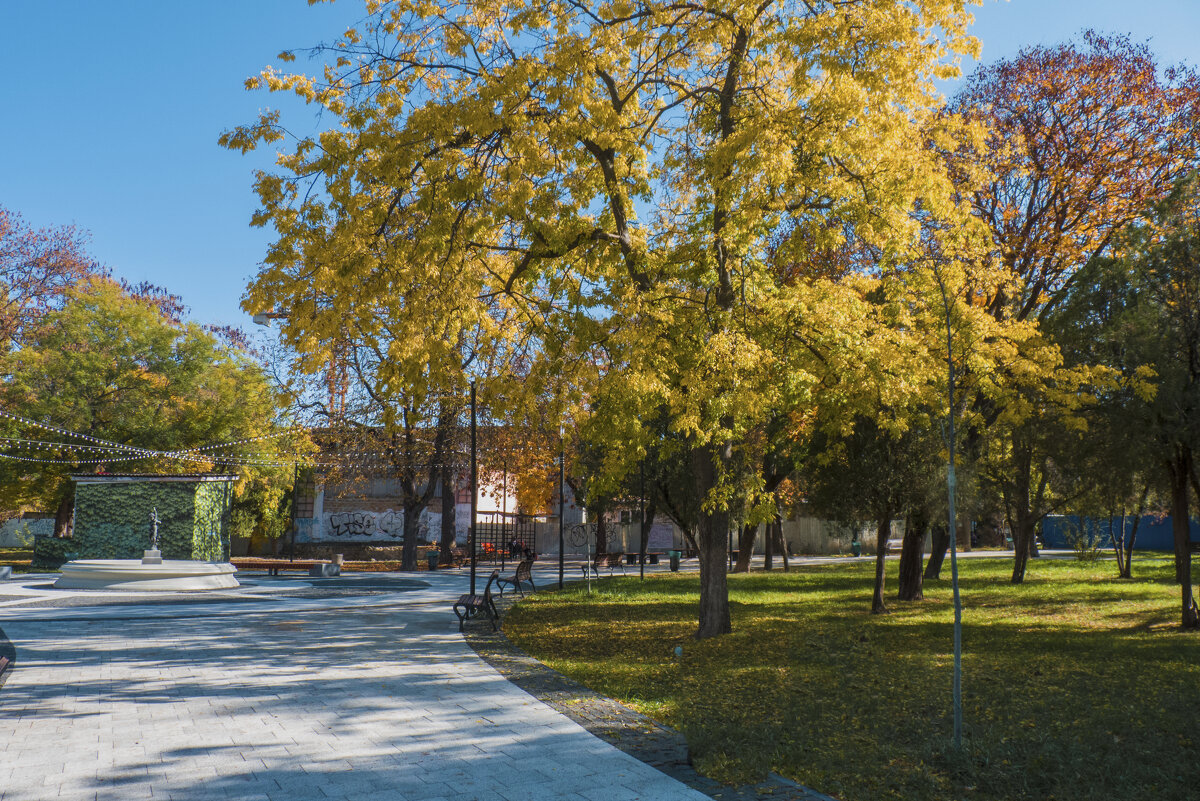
(856, 548)
(674, 560)
(434, 556)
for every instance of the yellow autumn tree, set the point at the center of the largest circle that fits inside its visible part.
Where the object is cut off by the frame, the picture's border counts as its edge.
(590, 189)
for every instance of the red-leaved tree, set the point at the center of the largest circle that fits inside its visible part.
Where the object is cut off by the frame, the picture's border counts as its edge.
(37, 267)
(1083, 141)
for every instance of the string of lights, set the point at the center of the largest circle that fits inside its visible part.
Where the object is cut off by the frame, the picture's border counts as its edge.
(38, 444)
(70, 461)
(69, 433)
(231, 443)
(120, 452)
(346, 466)
(132, 448)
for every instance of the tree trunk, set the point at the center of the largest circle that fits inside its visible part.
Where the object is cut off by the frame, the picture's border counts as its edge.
(1129, 544)
(648, 515)
(601, 530)
(769, 545)
(937, 553)
(1023, 525)
(915, 529)
(714, 587)
(1022, 535)
(64, 515)
(882, 530)
(1177, 468)
(447, 539)
(1026, 504)
(746, 538)
(781, 542)
(408, 552)
(1124, 546)
(712, 539)
(1118, 541)
(691, 542)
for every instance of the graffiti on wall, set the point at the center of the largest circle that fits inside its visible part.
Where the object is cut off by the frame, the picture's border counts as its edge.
(387, 525)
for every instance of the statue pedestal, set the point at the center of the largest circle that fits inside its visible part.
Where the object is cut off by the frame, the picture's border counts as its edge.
(129, 574)
(153, 557)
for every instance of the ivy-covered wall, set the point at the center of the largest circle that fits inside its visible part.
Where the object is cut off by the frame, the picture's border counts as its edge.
(210, 540)
(112, 519)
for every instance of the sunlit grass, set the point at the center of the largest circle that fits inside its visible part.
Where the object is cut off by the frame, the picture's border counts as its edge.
(17, 558)
(1077, 685)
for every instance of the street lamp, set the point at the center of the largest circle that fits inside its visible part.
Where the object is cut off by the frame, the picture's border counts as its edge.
(265, 318)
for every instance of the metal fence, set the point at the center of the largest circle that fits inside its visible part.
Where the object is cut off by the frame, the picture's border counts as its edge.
(504, 537)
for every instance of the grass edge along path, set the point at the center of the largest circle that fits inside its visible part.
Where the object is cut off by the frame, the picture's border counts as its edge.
(1078, 686)
(636, 734)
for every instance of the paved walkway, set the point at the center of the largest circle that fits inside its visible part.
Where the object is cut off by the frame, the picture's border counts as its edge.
(359, 688)
(370, 696)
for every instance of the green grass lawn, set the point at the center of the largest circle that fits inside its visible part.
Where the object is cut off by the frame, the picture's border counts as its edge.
(17, 558)
(1076, 685)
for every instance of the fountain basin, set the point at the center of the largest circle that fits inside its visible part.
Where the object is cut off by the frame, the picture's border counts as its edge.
(130, 574)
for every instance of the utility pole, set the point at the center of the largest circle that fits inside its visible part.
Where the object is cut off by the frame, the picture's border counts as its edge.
(474, 486)
(642, 518)
(562, 503)
(295, 498)
(951, 484)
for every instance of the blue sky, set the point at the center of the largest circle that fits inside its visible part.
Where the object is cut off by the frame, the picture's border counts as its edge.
(111, 113)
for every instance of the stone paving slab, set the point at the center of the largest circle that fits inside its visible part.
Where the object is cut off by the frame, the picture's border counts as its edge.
(382, 702)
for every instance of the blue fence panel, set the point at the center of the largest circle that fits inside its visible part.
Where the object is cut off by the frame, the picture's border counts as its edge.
(1153, 533)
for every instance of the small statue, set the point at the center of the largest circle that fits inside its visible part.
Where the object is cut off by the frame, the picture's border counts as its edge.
(154, 529)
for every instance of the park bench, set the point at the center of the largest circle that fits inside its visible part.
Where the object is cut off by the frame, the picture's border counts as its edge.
(611, 561)
(458, 558)
(524, 574)
(314, 567)
(468, 605)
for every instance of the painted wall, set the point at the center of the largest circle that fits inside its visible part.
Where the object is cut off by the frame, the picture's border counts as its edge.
(1153, 533)
(384, 526)
(20, 533)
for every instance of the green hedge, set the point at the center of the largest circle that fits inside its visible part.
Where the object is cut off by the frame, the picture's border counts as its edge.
(53, 552)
